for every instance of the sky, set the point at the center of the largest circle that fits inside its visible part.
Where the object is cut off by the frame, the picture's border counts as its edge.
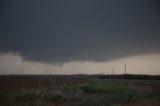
(79, 36)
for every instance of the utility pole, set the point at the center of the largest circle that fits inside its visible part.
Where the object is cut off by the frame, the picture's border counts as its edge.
(125, 69)
(112, 71)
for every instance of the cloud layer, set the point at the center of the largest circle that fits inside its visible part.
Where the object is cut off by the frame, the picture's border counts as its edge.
(84, 30)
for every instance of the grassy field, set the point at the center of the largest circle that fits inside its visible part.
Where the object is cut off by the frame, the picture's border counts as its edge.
(95, 92)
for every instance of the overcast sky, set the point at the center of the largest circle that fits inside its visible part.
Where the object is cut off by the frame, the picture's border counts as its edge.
(51, 32)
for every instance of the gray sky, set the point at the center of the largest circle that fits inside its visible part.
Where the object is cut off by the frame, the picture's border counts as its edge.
(51, 31)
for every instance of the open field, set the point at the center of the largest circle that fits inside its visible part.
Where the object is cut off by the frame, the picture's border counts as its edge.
(63, 91)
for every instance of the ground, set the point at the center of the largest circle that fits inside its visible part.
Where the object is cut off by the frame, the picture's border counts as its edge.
(79, 92)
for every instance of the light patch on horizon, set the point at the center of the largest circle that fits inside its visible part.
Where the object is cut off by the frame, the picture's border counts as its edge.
(142, 64)
(14, 64)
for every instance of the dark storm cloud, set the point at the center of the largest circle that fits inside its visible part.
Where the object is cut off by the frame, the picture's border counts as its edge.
(64, 30)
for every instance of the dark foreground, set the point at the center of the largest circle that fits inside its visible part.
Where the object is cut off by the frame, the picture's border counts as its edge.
(79, 91)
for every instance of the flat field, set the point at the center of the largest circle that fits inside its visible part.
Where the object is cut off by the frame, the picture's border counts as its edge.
(78, 92)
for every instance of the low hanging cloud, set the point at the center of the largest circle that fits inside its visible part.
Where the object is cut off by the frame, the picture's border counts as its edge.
(54, 31)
